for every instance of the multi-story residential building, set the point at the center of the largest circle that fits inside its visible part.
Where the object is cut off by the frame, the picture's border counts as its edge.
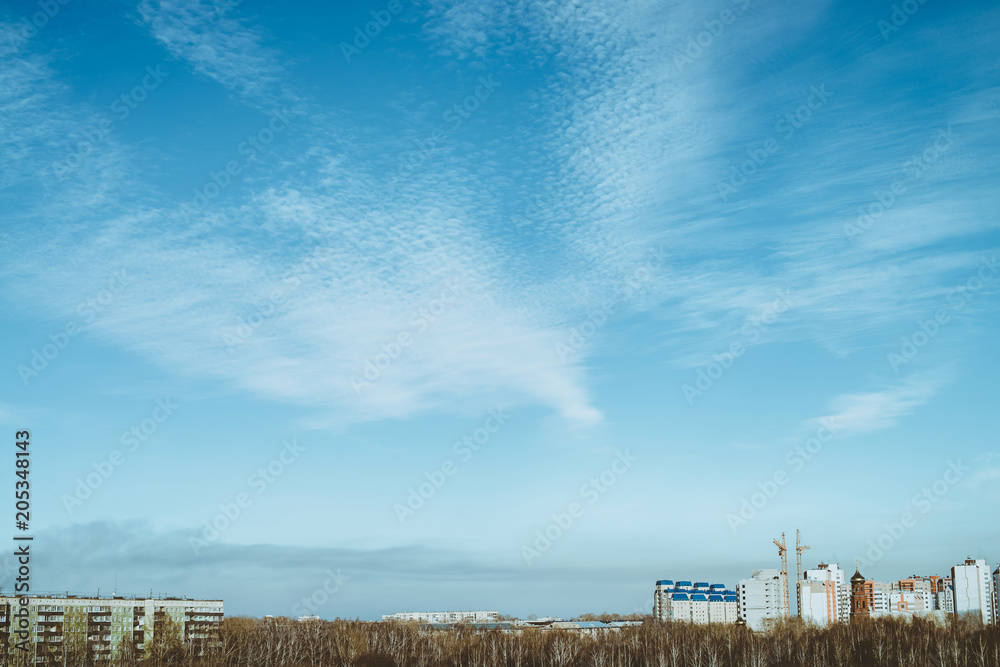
(102, 628)
(945, 600)
(937, 591)
(896, 602)
(877, 595)
(973, 589)
(825, 595)
(996, 594)
(444, 616)
(699, 602)
(762, 598)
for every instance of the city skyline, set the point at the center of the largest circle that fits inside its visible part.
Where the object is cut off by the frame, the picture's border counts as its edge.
(479, 305)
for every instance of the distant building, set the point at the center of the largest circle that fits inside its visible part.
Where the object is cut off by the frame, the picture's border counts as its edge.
(698, 602)
(825, 595)
(896, 602)
(444, 616)
(996, 594)
(973, 589)
(59, 627)
(590, 628)
(937, 591)
(762, 598)
(945, 600)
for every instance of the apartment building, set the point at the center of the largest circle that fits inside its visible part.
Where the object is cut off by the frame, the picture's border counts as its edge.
(896, 602)
(825, 596)
(762, 598)
(53, 628)
(698, 602)
(973, 589)
(937, 591)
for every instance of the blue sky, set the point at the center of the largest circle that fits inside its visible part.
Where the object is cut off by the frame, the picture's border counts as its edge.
(401, 304)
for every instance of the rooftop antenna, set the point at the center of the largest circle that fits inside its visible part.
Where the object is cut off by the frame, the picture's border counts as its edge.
(115, 592)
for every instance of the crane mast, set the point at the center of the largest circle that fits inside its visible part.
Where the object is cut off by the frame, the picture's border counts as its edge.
(799, 548)
(783, 552)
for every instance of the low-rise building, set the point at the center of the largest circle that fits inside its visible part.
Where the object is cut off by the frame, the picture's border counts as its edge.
(444, 616)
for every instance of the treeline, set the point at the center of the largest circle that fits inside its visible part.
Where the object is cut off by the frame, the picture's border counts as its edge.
(246, 642)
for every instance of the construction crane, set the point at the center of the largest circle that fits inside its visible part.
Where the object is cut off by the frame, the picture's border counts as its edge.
(783, 552)
(799, 548)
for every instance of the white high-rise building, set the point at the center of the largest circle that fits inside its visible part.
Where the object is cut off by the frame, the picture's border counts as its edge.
(825, 595)
(698, 602)
(762, 598)
(973, 589)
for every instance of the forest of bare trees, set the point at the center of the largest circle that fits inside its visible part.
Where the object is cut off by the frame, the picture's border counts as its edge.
(281, 642)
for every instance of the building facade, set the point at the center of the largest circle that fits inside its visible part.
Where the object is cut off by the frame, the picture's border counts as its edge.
(938, 592)
(762, 598)
(698, 602)
(52, 628)
(444, 616)
(973, 589)
(825, 595)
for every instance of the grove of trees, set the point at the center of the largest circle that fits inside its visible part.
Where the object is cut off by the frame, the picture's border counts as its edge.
(282, 642)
